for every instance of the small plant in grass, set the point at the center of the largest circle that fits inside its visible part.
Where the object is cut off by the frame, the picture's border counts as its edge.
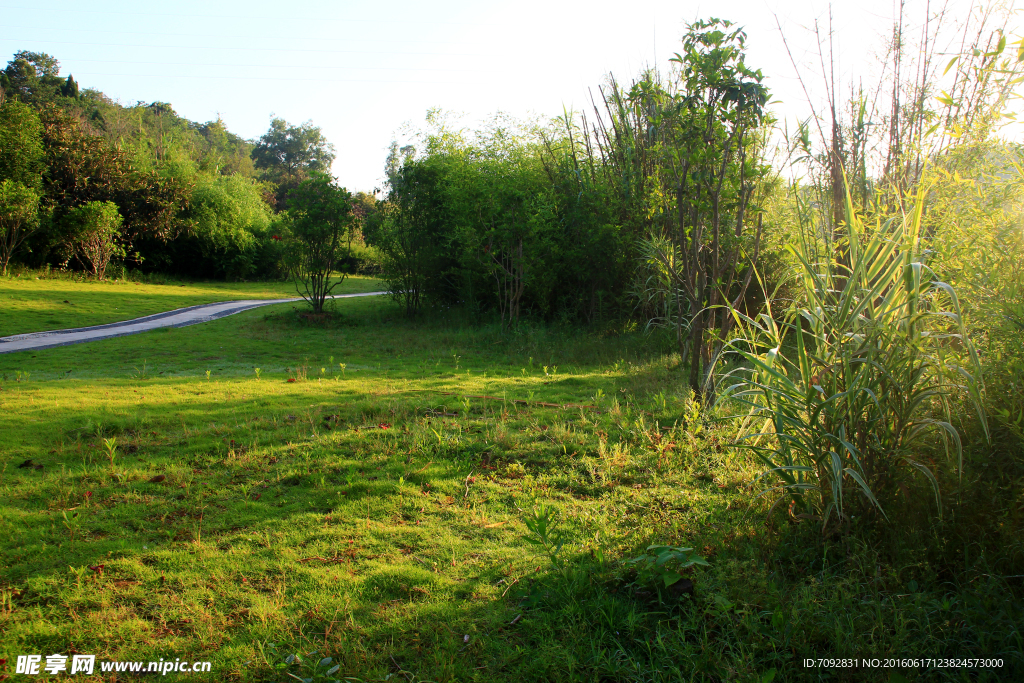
(140, 374)
(661, 566)
(258, 371)
(311, 667)
(342, 366)
(199, 521)
(71, 523)
(543, 533)
(207, 375)
(110, 445)
(298, 374)
(660, 402)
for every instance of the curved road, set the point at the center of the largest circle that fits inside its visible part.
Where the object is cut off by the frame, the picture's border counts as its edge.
(33, 341)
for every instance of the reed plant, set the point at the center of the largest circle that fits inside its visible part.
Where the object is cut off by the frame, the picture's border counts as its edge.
(852, 386)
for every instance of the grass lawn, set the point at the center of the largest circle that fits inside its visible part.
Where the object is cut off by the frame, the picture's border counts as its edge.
(358, 499)
(34, 304)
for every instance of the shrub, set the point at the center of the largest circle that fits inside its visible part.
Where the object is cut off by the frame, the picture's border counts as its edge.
(18, 218)
(231, 231)
(93, 234)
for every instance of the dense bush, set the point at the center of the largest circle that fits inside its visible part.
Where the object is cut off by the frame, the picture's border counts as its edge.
(494, 222)
(231, 231)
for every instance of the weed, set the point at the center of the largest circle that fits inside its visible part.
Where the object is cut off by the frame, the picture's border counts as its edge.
(660, 402)
(298, 373)
(544, 534)
(311, 667)
(110, 445)
(661, 565)
(71, 523)
(140, 374)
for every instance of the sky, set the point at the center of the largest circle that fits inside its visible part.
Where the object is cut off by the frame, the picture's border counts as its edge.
(361, 71)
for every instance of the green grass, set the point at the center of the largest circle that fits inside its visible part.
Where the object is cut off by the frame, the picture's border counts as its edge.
(33, 302)
(376, 515)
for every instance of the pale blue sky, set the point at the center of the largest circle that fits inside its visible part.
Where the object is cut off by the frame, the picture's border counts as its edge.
(360, 70)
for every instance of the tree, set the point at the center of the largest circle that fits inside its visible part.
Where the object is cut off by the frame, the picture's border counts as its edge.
(70, 88)
(19, 206)
(84, 168)
(224, 152)
(32, 77)
(408, 233)
(93, 232)
(711, 130)
(717, 170)
(321, 215)
(21, 144)
(289, 154)
(515, 219)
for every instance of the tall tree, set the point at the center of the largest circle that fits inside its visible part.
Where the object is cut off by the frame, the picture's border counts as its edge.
(289, 154)
(70, 88)
(32, 77)
(411, 231)
(715, 126)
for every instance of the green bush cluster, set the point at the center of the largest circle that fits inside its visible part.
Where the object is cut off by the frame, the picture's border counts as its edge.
(489, 221)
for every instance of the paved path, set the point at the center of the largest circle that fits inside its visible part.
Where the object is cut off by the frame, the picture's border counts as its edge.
(181, 317)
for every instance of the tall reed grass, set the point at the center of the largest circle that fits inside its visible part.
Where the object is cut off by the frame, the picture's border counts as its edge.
(851, 387)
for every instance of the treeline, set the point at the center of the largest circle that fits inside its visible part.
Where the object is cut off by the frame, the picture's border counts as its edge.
(88, 182)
